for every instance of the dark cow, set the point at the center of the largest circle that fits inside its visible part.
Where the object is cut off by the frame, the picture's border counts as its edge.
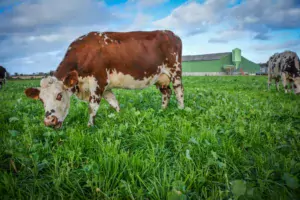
(284, 66)
(97, 62)
(2, 76)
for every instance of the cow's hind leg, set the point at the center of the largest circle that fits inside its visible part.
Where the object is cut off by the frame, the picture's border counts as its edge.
(277, 83)
(166, 95)
(111, 99)
(178, 87)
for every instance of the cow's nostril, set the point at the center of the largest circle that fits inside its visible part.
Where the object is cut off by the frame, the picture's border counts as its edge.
(53, 120)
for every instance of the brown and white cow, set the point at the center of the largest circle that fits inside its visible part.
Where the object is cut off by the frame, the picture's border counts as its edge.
(97, 62)
(285, 66)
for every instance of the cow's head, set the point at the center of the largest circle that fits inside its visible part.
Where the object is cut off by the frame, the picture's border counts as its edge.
(55, 95)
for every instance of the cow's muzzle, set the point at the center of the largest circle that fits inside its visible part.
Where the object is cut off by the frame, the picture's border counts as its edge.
(52, 121)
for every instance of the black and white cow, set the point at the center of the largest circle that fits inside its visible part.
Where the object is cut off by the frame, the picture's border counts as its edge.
(284, 66)
(2, 76)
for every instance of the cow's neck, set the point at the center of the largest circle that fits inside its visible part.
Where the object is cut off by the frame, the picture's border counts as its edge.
(82, 89)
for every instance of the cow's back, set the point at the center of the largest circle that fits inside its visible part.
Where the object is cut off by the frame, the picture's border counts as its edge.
(137, 53)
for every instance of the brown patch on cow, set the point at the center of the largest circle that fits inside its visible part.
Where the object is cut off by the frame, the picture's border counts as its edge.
(71, 79)
(75, 89)
(47, 114)
(89, 58)
(176, 86)
(32, 93)
(92, 98)
(98, 100)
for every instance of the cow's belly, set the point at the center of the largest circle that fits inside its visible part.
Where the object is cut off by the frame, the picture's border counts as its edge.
(126, 81)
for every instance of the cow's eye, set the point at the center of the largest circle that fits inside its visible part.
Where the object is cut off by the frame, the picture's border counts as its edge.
(59, 96)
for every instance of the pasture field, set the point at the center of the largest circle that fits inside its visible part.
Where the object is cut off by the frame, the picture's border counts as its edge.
(234, 140)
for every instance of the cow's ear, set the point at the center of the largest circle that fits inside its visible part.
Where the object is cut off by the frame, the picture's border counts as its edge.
(32, 93)
(71, 79)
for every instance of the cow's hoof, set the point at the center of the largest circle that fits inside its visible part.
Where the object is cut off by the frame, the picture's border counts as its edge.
(180, 107)
(90, 124)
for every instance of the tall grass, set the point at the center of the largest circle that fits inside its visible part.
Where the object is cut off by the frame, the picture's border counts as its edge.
(233, 140)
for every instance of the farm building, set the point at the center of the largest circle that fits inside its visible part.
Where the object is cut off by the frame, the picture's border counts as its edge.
(263, 67)
(218, 64)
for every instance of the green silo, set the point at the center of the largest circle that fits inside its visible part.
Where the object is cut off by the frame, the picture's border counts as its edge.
(236, 57)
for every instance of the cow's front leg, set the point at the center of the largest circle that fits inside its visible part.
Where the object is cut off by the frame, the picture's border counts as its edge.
(94, 103)
(111, 99)
(284, 82)
(269, 80)
(277, 84)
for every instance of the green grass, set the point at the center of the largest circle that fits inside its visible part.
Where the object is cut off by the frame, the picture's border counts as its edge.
(233, 140)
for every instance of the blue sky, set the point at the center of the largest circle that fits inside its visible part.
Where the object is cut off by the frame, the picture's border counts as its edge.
(34, 34)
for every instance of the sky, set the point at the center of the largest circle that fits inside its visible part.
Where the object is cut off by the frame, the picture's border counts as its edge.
(35, 34)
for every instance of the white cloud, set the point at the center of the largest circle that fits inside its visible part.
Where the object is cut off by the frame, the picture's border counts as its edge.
(40, 62)
(140, 22)
(255, 15)
(230, 34)
(33, 15)
(31, 34)
(192, 15)
(290, 44)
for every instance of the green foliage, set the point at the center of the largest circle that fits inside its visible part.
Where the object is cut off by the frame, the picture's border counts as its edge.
(234, 140)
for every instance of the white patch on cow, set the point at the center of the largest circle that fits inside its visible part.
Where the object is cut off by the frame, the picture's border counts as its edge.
(105, 38)
(69, 48)
(87, 87)
(120, 80)
(50, 88)
(164, 70)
